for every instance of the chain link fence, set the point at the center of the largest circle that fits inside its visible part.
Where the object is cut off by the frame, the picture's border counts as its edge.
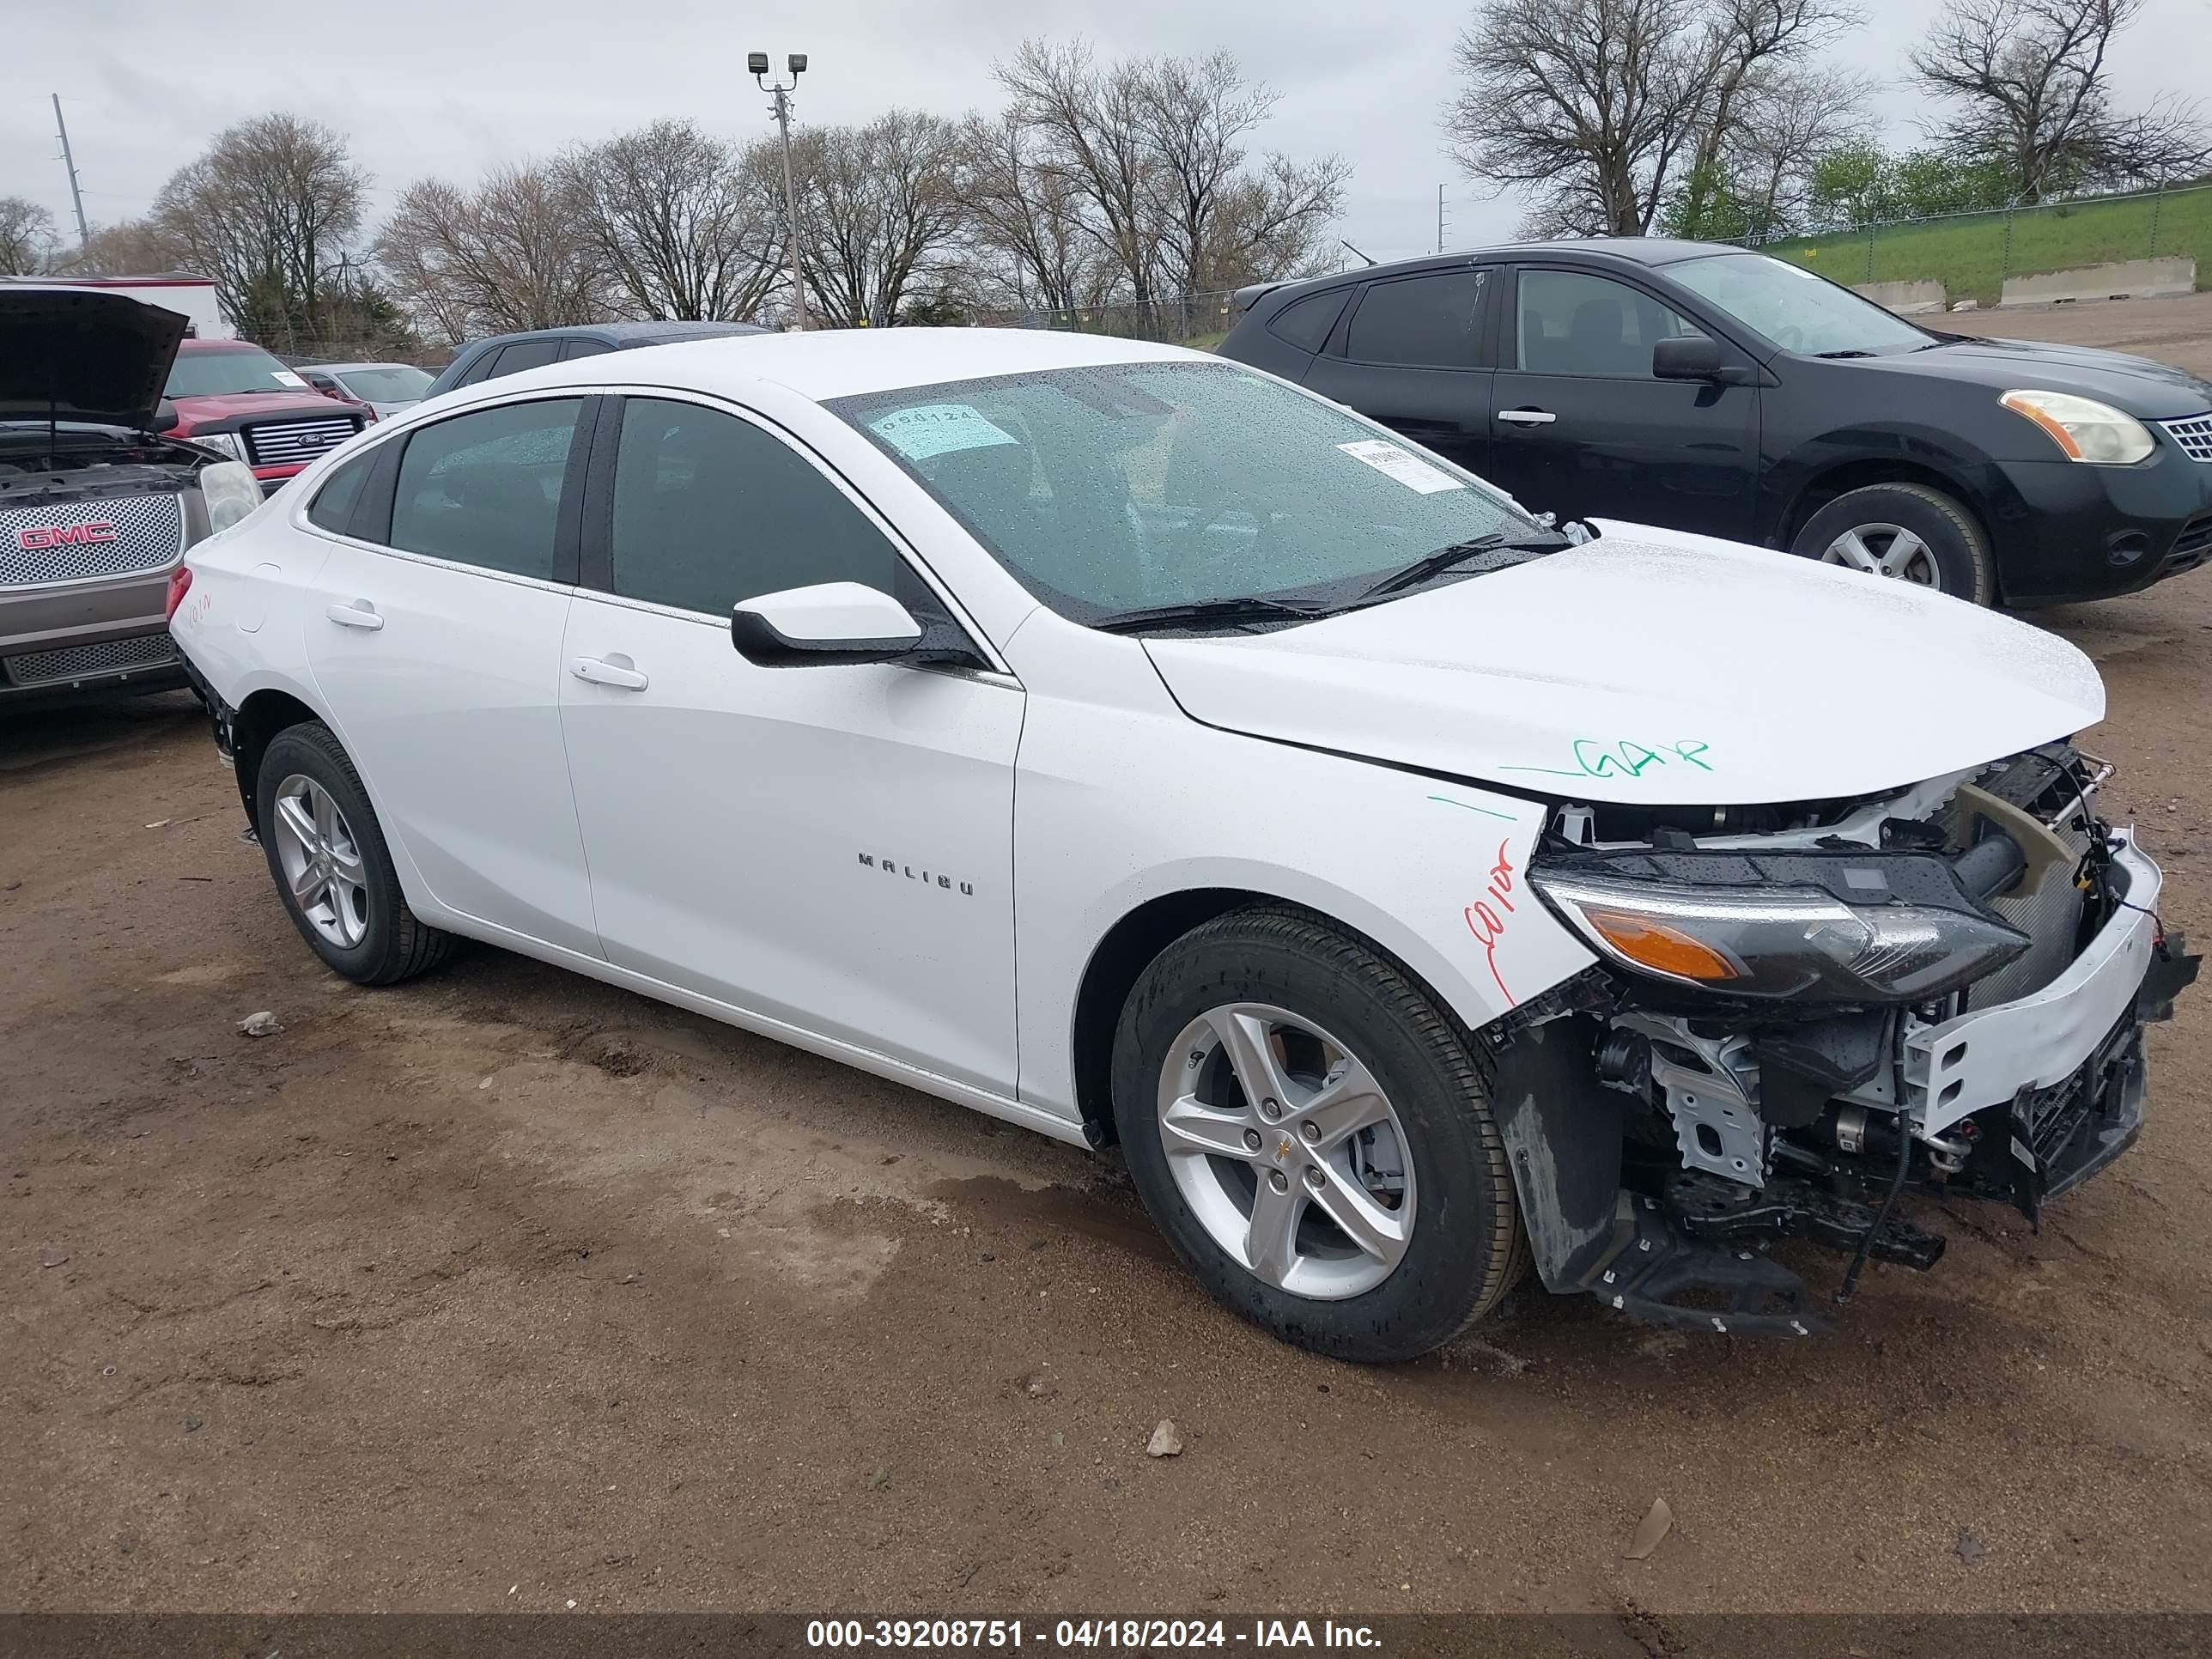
(1191, 320)
(1974, 254)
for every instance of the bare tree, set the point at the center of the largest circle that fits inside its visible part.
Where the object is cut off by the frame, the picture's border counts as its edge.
(2027, 80)
(685, 226)
(1026, 240)
(1794, 118)
(1090, 122)
(1598, 107)
(129, 247)
(1587, 104)
(1217, 222)
(507, 255)
(882, 209)
(269, 213)
(27, 236)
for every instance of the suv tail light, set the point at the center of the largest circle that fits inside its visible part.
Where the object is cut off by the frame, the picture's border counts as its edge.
(180, 583)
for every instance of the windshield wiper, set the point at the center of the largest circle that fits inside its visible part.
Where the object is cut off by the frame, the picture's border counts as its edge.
(1202, 612)
(1851, 352)
(1444, 558)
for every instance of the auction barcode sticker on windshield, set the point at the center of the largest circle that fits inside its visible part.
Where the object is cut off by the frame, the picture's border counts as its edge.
(929, 429)
(1409, 470)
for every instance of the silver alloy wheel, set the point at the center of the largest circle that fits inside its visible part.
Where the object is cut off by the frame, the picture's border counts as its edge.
(1886, 549)
(1287, 1151)
(321, 861)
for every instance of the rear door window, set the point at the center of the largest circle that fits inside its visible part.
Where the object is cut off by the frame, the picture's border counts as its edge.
(484, 488)
(524, 353)
(575, 349)
(1418, 322)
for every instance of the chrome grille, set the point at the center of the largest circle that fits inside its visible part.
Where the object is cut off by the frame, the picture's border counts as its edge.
(77, 662)
(294, 443)
(2193, 434)
(135, 533)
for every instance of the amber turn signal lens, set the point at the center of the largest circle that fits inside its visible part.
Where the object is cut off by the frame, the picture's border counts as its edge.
(1663, 949)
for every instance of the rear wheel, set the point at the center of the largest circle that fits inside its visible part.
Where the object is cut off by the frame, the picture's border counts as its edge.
(1906, 532)
(333, 872)
(1311, 1133)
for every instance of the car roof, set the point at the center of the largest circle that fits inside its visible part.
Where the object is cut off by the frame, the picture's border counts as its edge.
(620, 334)
(342, 368)
(1649, 251)
(219, 345)
(845, 362)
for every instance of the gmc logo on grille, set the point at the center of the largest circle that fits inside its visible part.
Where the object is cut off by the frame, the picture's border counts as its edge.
(40, 536)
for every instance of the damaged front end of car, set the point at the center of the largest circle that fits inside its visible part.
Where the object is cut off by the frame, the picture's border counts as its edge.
(1802, 1013)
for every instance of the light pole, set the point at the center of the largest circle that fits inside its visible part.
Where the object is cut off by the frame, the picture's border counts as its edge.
(757, 64)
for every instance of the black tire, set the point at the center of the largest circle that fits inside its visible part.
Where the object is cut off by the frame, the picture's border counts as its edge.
(395, 946)
(1965, 568)
(1466, 1248)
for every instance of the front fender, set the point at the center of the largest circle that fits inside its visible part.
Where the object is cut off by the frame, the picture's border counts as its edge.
(1915, 452)
(1429, 871)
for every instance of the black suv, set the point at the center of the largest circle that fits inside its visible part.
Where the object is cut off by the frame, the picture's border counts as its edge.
(510, 354)
(1701, 388)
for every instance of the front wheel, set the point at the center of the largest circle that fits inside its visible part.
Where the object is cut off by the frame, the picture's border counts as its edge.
(1311, 1133)
(1907, 532)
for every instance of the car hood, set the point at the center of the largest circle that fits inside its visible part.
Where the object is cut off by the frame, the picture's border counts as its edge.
(1654, 667)
(2154, 390)
(82, 354)
(240, 405)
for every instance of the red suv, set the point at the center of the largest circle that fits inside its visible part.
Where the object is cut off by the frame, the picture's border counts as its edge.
(235, 397)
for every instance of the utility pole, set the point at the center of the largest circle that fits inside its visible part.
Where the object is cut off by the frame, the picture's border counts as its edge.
(76, 195)
(796, 62)
(1440, 218)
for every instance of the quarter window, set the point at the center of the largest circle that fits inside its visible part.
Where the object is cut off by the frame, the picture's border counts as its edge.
(709, 510)
(1571, 324)
(484, 488)
(1305, 323)
(332, 507)
(1426, 322)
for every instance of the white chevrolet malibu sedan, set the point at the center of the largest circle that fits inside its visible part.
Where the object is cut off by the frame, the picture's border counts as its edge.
(1131, 745)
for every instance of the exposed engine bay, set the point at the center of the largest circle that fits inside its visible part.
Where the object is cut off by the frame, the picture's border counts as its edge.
(1803, 1011)
(41, 466)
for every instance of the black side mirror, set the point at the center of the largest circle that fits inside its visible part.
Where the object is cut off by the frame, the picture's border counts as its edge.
(165, 418)
(1691, 357)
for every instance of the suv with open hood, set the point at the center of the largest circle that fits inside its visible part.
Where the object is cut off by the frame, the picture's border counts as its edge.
(96, 506)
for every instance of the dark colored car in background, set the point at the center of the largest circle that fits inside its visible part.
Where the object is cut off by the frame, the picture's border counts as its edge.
(232, 396)
(510, 354)
(1701, 388)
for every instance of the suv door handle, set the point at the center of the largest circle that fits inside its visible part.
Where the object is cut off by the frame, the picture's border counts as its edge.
(1527, 416)
(618, 674)
(357, 613)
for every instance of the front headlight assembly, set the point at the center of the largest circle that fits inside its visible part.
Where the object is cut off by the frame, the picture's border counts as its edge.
(229, 443)
(1800, 943)
(2084, 429)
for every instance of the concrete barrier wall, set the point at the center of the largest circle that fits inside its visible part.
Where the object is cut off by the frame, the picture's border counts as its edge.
(1906, 299)
(2129, 279)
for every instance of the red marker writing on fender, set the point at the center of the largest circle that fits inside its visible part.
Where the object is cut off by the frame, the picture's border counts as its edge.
(1485, 923)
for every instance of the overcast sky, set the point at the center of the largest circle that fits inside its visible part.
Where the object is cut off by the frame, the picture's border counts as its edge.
(452, 87)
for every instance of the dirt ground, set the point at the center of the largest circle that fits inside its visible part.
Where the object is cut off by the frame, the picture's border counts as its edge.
(505, 1291)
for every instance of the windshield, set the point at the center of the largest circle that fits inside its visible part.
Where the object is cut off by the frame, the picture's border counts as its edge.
(228, 373)
(1794, 308)
(1132, 486)
(387, 383)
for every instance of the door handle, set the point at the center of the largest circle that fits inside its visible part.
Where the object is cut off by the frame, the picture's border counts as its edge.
(359, 613)
(599, 671)
(1527, 416)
